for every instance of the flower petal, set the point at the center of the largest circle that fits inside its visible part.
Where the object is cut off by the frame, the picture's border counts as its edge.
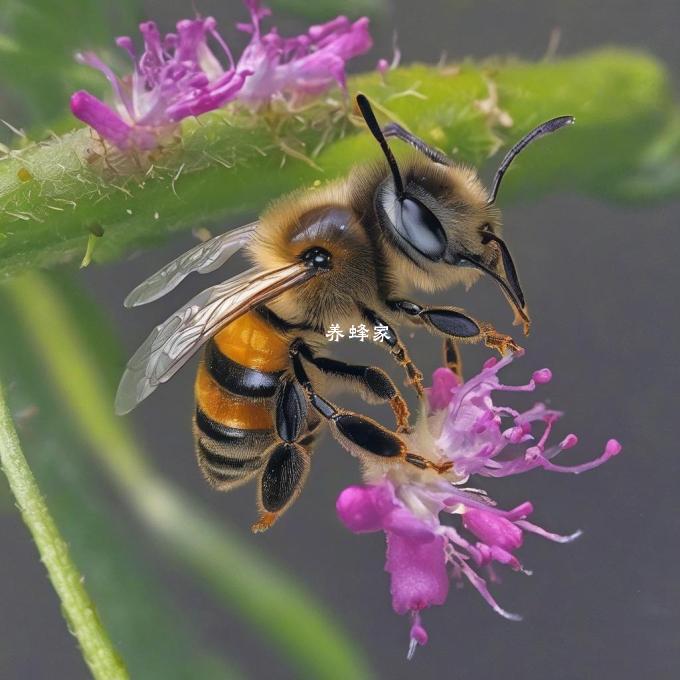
(365, 508)
(492, 529)
(444, 383)
(418, 572)
(101, 117)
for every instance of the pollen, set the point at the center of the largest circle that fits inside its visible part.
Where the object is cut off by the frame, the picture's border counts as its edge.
(437, 134)
(24, 175)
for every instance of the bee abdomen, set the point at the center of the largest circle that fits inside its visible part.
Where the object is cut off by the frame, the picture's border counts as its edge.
(231, 432)
(236, 385)
(229, 456)
(252, 342)
(238, 379)
(232, 437)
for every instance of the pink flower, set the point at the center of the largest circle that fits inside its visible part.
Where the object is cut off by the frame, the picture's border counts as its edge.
(304, 65)
(474, 434)
(177, 75)
(423, 553)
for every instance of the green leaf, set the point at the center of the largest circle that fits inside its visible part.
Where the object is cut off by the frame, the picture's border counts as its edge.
(54, 195)
(154, 638)
(657, 174)
(77, 358)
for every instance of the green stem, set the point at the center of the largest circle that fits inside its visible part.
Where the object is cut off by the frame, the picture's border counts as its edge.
(78, 608)
(54, 195)
(245, 580)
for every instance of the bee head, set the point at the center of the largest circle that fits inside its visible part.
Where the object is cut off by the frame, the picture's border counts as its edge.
(437, 213)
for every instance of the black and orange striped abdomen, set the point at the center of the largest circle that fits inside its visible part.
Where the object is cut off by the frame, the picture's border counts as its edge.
(236, 382)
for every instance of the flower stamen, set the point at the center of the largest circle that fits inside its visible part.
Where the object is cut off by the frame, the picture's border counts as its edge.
(424, 553)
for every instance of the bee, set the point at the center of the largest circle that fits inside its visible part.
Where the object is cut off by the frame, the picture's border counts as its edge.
(350, 252)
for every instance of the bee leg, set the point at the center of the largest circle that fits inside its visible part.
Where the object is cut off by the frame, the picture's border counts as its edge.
(397, 350)
(281, 482)
(360, 435)
(452, 358)
(455, 323)
(288, 460)
(373, 382)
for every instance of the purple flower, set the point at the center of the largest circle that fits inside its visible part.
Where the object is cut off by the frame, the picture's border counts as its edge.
(177, 75)
(301, 66)
(464, 426)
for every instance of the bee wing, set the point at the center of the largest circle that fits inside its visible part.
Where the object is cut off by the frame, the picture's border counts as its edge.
(203, 258)
(173, 342)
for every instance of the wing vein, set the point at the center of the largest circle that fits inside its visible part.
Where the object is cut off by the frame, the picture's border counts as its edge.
(203, 258)
(173, 342)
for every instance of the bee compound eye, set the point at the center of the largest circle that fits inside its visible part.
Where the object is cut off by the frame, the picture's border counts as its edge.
(317, 257)
(422, 228)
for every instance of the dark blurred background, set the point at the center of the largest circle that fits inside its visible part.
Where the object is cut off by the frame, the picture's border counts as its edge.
(601, 282)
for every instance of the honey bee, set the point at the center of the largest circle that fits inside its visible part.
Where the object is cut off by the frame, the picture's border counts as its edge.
(349, 252)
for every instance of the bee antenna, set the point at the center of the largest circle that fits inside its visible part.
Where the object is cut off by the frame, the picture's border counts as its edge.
(369, 117)
(542, 129)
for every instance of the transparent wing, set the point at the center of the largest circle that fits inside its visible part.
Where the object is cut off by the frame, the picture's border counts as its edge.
(203, 258)
(173, 342)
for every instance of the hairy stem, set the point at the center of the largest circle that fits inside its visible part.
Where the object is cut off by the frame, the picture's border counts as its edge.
(246, 581)
(78, 608)
(54, 196)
